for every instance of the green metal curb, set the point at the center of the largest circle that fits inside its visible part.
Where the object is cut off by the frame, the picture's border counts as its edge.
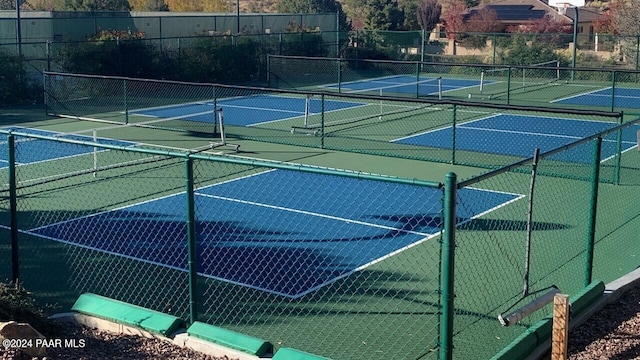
(293, 354)
(582, 300)
(121, 312)
(538, 333)
(231, 339)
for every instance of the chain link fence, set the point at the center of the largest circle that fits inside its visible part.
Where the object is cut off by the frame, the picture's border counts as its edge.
(281, 252)
(547, 84)
(425, 128)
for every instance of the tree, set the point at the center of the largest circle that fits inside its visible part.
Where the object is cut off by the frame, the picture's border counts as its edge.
(410, 7)
(197, 5)
(428, 14)
(453, 16)
(625, 16)
(482, 22)
(314, 7)
(95, 5)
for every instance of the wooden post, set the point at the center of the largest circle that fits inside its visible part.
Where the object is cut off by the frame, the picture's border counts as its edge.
(560, 336)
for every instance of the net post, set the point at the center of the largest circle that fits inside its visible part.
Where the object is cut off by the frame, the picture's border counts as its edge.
(191, 241)
(481, 80)
(13, 206)
(591, 238)
(558, 69)
(440, 87)
(447, 270)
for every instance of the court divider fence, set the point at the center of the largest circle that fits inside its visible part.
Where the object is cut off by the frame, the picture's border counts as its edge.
(294, 255)
(364, 123)
(550, 84)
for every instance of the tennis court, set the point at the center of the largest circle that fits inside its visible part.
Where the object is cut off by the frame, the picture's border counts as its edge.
(519, 135)
(254, 251)
(404, 84)
(628, 98)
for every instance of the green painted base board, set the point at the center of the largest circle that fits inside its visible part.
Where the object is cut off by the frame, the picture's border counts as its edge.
(232, 339)
(124, 313)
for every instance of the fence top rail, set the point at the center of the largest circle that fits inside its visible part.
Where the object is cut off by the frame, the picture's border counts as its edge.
(541, 109)
(234, 160)
(504, 169)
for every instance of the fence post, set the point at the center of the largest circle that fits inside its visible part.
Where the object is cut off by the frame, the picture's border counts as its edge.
(613, 90)
(126, 101)
(322, 121)
(447, 261)
(13, 206)
(191, 242)
(339, 69)
(453, 134)
(48, 49)
(508, 83)
(618, 158)
(591, 238)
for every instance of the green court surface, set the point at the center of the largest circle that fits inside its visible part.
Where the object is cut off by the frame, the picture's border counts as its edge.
(387, 310)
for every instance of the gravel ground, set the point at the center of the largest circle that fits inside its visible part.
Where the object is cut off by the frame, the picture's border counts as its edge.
(101, 345)
(612, 333)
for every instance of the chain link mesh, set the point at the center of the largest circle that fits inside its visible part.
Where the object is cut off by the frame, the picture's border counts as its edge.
(434, 130)
(549, 84)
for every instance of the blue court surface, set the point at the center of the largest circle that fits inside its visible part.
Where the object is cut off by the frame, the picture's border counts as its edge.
(519, 135)
(259, 231)
(406, 84)
(248, 110)
(29, 151)
(627, 98)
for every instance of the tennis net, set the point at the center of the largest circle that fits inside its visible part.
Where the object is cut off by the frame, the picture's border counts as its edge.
(499, 81)
(371, 113)
(396, 86)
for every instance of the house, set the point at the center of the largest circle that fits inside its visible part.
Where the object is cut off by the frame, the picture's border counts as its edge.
(514, 14)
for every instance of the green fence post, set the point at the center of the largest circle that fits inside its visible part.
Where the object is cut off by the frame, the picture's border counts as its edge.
(126, 102)
(508, 83)
(448, 256)
(268, 70)
(613, 90)
(322, 121)
(493, 56)
(191, 242)
(417, 80)
(453, 134)
(591, 239)
(575, 43)
(618, 159)
(339, 74)
(13, 206)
